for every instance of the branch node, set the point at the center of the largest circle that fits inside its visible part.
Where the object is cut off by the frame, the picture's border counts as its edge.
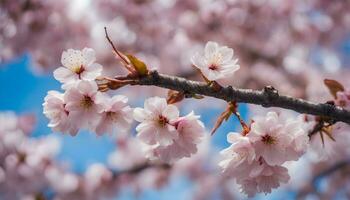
(329, 107)
(155, 75)
(271, 94)
(229, 91)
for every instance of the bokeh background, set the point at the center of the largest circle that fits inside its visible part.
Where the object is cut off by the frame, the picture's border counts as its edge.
(292, 45)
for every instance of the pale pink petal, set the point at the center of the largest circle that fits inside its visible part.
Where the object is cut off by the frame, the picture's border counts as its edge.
(210, 49)
(64, 75)
(89, 55)
(141, 115)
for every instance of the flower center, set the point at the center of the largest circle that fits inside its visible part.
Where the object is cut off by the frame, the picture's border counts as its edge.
(79, 70)
(267, 139)
(215, 61)
(162, 121)
(213, 66)
(65, 110)
(86, 102)
(112, 115)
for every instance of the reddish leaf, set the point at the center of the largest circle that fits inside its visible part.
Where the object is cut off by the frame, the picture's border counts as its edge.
(223, 116)
(333, 87)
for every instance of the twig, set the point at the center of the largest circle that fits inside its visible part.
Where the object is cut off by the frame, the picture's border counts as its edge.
(115, 49)
(137, 169)
(331, 170)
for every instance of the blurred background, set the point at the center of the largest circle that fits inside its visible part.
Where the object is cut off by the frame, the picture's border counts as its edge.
(290, 44)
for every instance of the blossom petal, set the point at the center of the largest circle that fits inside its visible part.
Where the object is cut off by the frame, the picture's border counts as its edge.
(210, 49)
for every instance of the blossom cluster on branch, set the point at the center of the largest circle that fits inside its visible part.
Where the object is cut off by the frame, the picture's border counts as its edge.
(256, 157)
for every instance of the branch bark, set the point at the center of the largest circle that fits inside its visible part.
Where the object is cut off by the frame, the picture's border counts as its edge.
(268, 97)
(139, 168)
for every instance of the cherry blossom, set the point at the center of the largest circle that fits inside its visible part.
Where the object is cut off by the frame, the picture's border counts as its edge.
(157, 118)
(95, 176)
(77, 65)
(264, 178)
(273, 138)
(61, 181)
(217, 62)
(300, 140)
(55, 110)
(255, 159)
(126, 156)
(253, 175)
(116, 114)
(190, 131)
(81, 103)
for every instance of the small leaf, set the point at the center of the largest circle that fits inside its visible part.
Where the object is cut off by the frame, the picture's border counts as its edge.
(322, 139)
(223, 116)
(139, 65)
(334, 87)
(328, 132)
(175, 96)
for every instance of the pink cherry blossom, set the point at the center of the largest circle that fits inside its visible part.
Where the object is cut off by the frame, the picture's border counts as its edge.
(247, 158)
(116, 114)
(81, 104)
(190, 131)
(77, 65)
(61, 181)
(238, 156)
(157, 118)
(269, 139)
(95, 176)
(127, 156)
(300, 139)
(264, 179)
(55, 110)
(217, 62)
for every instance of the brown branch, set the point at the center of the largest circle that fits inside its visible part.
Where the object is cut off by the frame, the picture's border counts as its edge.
(114, 48)
(137, 169)
(331, 170)
(268, 97)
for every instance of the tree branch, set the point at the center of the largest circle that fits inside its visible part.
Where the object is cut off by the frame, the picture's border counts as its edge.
(139, 168)
(331, 170)
(268, 97)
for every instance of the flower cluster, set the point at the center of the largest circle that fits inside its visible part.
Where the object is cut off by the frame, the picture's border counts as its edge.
(82, 105)
(23, 159)
(168, 136)
(256, 159)
(164, 134)
(28, 169)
